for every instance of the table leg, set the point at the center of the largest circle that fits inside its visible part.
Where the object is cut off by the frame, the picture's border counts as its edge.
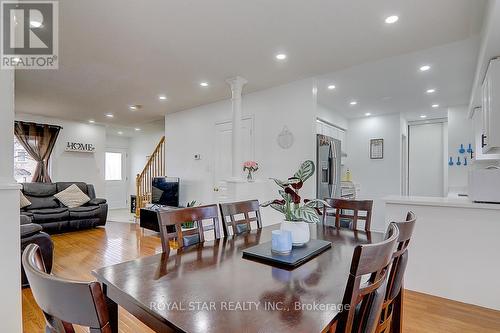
(397, 313)
(112, 310)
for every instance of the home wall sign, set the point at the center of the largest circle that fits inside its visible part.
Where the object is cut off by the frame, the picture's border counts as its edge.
(79, 147)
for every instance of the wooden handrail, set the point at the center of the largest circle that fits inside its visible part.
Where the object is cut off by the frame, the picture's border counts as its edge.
(155, 167)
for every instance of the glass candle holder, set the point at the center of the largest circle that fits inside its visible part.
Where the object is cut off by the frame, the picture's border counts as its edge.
(281, 241)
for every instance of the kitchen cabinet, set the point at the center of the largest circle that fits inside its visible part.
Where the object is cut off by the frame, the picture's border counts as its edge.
(490, 139)
(333, 132)
(477, 121)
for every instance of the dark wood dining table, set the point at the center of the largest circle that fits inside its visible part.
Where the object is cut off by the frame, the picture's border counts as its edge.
(210, 287)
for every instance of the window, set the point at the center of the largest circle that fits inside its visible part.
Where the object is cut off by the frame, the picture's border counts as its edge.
(24, 164)
(113, 166)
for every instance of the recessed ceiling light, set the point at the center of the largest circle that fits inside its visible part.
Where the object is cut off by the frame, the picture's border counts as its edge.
(137, 129)
(435, 105)
(120, 132)
(353, 103)
(281, 56)
(133, 107)
(368, 114)
(204, 84)
(35, 24)
(109, 115)
(162, 97)
(391, 19)
(423, 116)
(431, 91)
(425, 68)
(91, 121)
(331, 87)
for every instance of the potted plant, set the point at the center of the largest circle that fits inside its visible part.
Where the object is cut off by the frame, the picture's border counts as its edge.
(250, 166)
(189, 224)
(297, 213)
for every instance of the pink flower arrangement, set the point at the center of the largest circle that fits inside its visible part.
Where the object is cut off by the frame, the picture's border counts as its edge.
(250, 166)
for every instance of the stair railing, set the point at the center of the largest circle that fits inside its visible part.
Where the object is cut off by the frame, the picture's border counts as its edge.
(155, 167)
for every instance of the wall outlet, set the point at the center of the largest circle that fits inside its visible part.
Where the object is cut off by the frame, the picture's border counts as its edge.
(197, 156)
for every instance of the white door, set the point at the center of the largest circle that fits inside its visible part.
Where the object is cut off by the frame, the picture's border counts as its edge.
(223, 155)
(115, 175)
(426, 160)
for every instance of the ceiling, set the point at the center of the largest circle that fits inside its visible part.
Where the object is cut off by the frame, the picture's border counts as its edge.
(115, 53)
(396, 84)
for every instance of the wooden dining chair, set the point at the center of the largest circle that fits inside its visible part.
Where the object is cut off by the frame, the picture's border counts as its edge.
(391, 315)
(341, 209)
(230, 211)
(187, 237)
(65, 302)
(363, 300)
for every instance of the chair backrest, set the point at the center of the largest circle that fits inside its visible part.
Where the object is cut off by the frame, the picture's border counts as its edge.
(186, 237)
(363, 299)
(229, 212)
(396, 275)
(65, 302)
(342, 208)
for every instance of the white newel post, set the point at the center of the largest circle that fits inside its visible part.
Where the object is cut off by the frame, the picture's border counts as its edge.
(236, 84)
(10, 242)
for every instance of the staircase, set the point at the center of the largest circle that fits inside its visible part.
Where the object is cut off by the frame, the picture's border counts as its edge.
(155, 167)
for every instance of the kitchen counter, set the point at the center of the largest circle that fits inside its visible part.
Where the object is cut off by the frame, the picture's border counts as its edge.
(454, 248)
(461, 202)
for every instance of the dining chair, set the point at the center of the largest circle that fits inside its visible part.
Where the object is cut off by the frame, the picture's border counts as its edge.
(188, 236)
(341, 209)
(65, 302)
(366, 286)
(392, 308)
(230, 211)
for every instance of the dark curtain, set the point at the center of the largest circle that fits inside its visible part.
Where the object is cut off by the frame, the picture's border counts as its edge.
(39, 141)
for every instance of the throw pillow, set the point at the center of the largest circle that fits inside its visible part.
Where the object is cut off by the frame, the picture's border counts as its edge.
(72, 197)
(24, 201)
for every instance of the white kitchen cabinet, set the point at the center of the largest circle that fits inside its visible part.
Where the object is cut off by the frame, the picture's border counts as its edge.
(333, 132)
(490, 142)
(477, 120)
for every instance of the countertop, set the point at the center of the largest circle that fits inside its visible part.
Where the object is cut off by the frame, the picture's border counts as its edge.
(460, 202)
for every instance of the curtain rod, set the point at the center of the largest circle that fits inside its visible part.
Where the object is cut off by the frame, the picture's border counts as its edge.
(38, 124)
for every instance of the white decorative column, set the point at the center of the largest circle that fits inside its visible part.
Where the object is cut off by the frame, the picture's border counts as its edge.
(10, 239)
(236, 84)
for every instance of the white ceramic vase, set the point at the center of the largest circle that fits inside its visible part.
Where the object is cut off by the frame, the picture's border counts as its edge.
(300, 231)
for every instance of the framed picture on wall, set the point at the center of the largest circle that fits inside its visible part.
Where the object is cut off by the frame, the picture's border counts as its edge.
(377, 149)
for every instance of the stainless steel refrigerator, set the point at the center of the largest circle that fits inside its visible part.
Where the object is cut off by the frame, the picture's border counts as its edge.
(328, 167)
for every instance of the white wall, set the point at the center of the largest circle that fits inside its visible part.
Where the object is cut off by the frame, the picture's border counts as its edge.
(427, 156)
(115, 141)
(334, 118)
(10, 240)
(141, 146)
(460, 131)
(377, 178)
(73, 166)
(192, 132)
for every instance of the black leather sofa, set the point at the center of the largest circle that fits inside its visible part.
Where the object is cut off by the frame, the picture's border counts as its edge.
(32, 233)
(46, 211)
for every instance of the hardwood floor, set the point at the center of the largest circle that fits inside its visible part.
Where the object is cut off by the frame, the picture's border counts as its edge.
(78, 253)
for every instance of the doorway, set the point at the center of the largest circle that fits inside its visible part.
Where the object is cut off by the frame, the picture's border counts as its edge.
(404, 165)
(115, 176)
(426, 158)
(223, 155)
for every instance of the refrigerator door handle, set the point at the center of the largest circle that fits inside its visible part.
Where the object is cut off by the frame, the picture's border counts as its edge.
(333, 170)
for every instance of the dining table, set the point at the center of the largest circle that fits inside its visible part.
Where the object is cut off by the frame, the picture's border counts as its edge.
(211, 287)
